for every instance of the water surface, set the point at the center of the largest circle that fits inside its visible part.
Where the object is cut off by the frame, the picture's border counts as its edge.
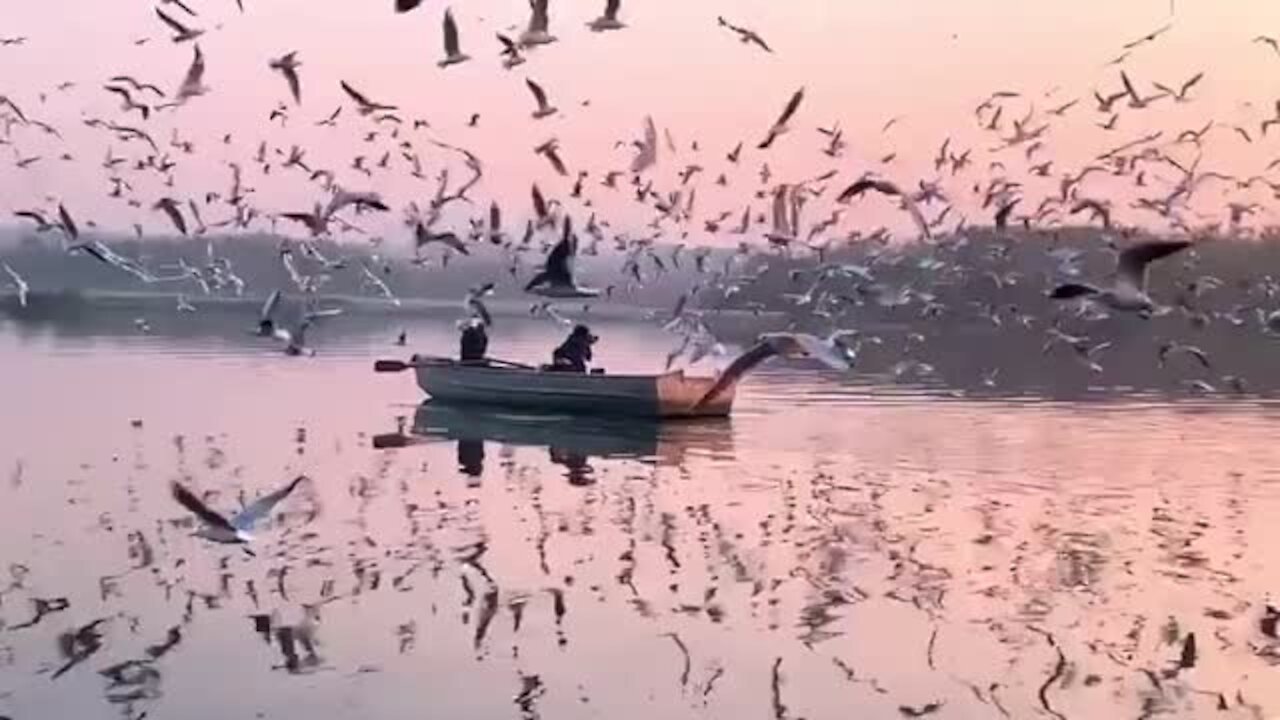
(840, 548)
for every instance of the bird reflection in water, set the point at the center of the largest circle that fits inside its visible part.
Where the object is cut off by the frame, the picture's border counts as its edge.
(471, 459)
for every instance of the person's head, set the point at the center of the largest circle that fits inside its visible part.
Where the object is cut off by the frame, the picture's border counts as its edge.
(583, 333)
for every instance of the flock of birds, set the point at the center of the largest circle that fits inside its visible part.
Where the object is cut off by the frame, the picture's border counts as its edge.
(1157, 166)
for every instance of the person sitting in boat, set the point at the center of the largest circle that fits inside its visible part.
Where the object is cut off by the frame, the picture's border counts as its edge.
(575, 352)
(475, 341)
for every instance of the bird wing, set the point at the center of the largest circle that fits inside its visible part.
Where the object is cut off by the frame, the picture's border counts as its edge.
(611, 8)
(188, 500)
(539, 95)
(1195, 79)
(170, 208)
(355, 95)
(1128, 86)
(295, 85)
(68, 225)
(172, 23)
(195, 73)
(1131, 268)
(559, 265)
(509, 46)
(539, 20)
(269, 307)
(451, 47)
(1072, 290)
(539, 202)
(881, 186)
(479, 309)
(260, 508)
(792, 105)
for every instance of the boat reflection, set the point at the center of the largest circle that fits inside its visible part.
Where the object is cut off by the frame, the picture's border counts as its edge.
(573, 442)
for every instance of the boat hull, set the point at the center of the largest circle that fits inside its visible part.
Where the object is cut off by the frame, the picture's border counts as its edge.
(671, 395)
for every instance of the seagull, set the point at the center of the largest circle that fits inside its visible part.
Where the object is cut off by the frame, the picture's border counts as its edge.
(539, 25)
(550, 150)
(780, 125)
(170, 207)
(19, 284)
(288, 66)
(648, 154)
(1269, 41)
(475, 304)
(452, 50)
(365, 105)
(884, 187)
(556, 279)
(746, 35)
(1129, 291)
(128, 104)
(193, 84)
(511, 55)
(183, 33)
(423, 237)
(184, 306)
(609, 20)
(1180, 95)
(830, 351)
(235, 530)
(1174, 346)
(540, 96)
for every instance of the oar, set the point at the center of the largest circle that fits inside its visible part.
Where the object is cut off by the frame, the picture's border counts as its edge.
(392, 366)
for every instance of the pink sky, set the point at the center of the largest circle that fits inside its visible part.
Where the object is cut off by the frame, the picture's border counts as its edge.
(929, 61)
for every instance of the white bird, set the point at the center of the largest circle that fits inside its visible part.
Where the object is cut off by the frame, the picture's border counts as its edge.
(19, 284)
(184, 306)
(609, 20)
(545, 108)
(648, 153)
(538, 31)
(556, 277)
(1129, 290)
(452, 49)
(193, 83)
(424, 237)
(235, 530)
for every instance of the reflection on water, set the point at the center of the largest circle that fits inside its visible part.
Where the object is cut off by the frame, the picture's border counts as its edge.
(833, 551)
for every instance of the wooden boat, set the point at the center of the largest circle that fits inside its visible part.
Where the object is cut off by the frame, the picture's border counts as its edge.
(504, 384)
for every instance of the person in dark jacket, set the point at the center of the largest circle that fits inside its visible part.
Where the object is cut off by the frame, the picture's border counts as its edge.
(475, 341)
(575, 352)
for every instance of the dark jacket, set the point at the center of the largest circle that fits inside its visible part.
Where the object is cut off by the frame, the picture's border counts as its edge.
(573, 354)
(475, 342)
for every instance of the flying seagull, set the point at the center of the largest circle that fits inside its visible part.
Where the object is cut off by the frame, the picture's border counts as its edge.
(551, 151)
(511, 55)
(747, 36)
(423, 237)
(609, 20)
(19, 284)
(538, 32)
(288, 66)
(780, 125)
(193, 83)
(540, 96)
(1129, 291)
(648, 148)
(452, 49)
(235, 530)
(365, 106)
(556, 277)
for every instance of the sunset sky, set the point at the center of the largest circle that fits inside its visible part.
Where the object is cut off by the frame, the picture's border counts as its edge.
(928, 62)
